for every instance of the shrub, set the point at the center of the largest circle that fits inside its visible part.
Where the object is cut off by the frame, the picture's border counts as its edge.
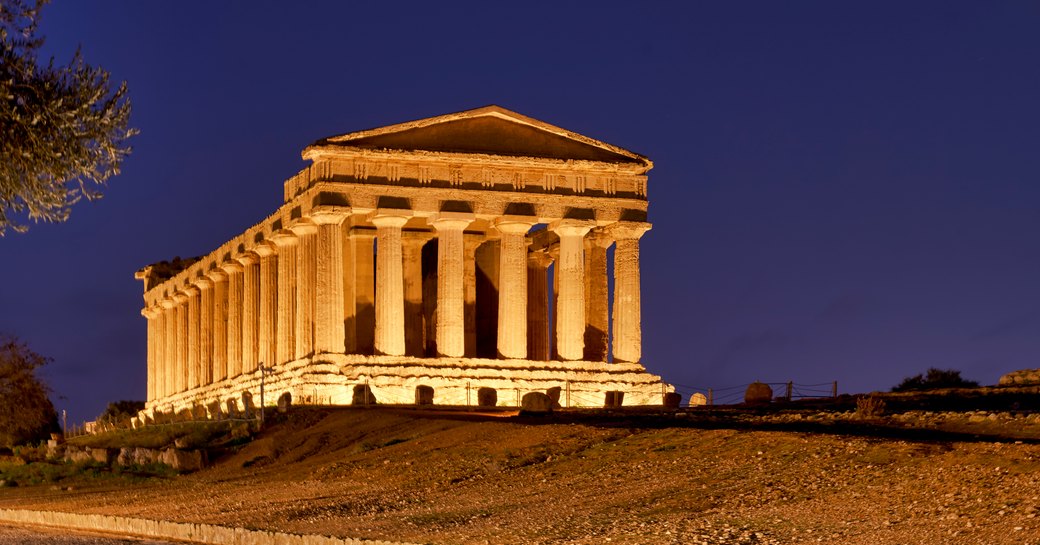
(870, 406)
(934, 379)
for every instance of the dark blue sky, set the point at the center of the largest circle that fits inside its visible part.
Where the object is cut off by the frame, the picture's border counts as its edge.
(841, 192)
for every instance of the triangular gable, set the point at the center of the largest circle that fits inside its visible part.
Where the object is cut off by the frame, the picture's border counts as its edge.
(491, 130)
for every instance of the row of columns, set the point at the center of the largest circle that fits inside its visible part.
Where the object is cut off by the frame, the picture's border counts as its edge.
(301, 293)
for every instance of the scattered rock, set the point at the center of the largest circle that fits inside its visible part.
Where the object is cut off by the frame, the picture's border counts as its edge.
(536, 403)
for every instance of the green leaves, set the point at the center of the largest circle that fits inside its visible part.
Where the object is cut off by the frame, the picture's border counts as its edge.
(63, 130)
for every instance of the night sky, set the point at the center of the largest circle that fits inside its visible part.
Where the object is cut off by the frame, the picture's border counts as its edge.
(842, 191)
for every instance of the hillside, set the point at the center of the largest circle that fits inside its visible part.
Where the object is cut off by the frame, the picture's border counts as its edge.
(442, 477)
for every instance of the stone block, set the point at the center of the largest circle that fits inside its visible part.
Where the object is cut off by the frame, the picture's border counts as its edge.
(536, 403)
(103, 455)
(284, 402)
(183, 460)
(671, 400)
(698, 399)
(758, 393)
(554, 395)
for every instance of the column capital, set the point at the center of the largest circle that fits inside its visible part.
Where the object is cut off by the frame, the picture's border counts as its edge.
(572, 227)
(217, 275)
(266, 248)
(390, 217)
(182, 297)
(328, 214)
(514, 224)
(191, 290)
(627, 230)
(451, 220)
(284, 237)
(232, 266)
(304, 226)
(540, 259)
(203, 283)
(151, 312)
(600, 237)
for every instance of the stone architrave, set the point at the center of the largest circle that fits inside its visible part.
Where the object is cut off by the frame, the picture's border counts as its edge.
(570, 323)
(328, 311)
(451, 289)
(512, 290)
(194, 376)
(538, 306)
(597, 296)
(234, 317)
(285, 347)
(389, 334)
(220, 324)
(306, 279)
(205, 365)
(627, 330)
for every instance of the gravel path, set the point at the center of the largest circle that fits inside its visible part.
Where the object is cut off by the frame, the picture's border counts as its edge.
(21, 536)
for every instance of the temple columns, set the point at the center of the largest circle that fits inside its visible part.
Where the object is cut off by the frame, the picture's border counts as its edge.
(192, 334)
(412, 243)
(181, 367)
(267, 308)
(361, 274)
(627, 314)
(152, 340)
(234, 318)
(538, 306)
(570, 268)
(512, 288)
(389, 331)
(250, 311)
(285, 330)
(329, 304)
(169, 381)
(597, 308)
(469, 267)
(451, 289)
(220, 324)
(205, 342)
(306, 278)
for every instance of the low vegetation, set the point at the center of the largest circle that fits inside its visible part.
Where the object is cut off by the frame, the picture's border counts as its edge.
(934, 379)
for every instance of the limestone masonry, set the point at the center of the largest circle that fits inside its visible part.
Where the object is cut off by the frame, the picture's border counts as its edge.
(411, 264)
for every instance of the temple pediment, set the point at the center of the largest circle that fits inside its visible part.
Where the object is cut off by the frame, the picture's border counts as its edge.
(491, 130)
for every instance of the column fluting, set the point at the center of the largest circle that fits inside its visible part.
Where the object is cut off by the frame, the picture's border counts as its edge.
(220, 324)
(285, 347)
(389, 333)
(267, 310)
(570, 268)
(512, 287)
(306, 278)
(234, 317)
(451, 292)
(329, 328)
(628, 335)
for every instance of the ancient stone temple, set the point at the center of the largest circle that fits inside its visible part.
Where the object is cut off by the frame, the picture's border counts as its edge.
(455, 260)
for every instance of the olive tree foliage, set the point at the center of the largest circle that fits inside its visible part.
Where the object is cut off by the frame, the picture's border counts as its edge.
(63, 130)
(26, 413)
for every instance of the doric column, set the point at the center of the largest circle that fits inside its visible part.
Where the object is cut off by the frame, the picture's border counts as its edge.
(169, 386)
(266, 307)
(628, 336)
(597, 302)
(328, 312)
(570, 315)
(412, 243)
(285, 347)
(181, 369)
(250, 262)
(151, 317)
(205, 368)
(233, 350)
(389, 334)
(451, 292)
(220, 323)
(538, 306)
(194, 294)
(512, 287)
(306, 278)
(469, 280)
(361, 298)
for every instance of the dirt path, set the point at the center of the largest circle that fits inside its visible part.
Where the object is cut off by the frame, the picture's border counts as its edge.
(433, 478)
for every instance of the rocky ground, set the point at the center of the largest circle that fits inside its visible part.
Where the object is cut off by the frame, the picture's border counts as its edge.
(22, 536)
(428, 477)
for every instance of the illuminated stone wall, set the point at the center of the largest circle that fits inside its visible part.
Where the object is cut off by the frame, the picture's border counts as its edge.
(419, 254)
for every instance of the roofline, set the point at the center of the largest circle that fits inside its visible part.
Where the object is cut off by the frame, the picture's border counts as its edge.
(492, 110)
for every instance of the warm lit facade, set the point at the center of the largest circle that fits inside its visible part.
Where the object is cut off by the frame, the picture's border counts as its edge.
(419, 255)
